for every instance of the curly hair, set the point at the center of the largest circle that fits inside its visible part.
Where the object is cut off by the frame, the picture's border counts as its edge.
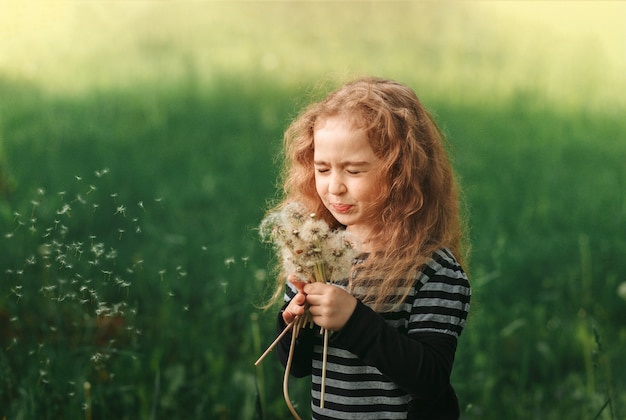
(418, 203)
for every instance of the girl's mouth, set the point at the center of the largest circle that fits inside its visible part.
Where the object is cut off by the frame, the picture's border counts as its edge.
(341, 208)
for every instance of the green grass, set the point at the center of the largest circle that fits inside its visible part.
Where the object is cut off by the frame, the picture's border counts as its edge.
(183, 191)
(545, 192)
(160, 130)
(193, 170)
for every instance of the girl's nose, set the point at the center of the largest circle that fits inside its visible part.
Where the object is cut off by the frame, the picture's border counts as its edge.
(336, 186)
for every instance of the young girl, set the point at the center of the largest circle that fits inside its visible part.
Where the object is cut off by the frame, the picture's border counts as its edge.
(370, 159)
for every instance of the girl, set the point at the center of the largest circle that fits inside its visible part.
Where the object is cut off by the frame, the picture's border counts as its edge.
(370, 159)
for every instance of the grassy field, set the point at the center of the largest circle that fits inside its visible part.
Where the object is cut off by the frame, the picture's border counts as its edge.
(138, 146)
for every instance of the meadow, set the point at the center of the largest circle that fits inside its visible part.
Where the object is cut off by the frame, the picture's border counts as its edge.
(136, 165)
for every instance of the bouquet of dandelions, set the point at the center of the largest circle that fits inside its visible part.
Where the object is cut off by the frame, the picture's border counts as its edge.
(307, 247)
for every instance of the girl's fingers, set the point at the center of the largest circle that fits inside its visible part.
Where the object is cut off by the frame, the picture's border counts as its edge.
(296, 306)
(291, 312)
(330, 306)
(297, 282)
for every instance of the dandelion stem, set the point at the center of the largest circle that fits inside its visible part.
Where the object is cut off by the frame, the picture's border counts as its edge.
(320, 276)
(277, 340)
(292, 347)
(324, 361)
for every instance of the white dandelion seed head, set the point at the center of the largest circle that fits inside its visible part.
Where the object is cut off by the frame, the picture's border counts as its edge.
(314, 230)
(306, 245)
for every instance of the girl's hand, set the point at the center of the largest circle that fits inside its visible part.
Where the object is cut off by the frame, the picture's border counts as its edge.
(296, 305)
(330, 305)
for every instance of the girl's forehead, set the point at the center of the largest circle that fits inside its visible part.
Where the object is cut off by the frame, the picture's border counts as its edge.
(338, 141)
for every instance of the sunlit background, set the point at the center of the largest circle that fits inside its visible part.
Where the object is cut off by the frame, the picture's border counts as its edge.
(138, 153)
(572, 51)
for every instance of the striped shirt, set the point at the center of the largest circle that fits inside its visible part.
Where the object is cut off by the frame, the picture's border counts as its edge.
(394, 364)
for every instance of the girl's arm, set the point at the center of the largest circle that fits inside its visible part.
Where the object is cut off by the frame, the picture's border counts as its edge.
(419, 357)
(420, 364)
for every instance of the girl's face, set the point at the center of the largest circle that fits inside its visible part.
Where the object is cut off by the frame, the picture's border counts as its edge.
(347, 177)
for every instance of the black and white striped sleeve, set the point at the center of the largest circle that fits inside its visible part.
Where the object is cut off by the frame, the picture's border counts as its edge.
(418, 356)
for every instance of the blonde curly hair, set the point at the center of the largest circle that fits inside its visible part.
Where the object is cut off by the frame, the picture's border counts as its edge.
(418, 203)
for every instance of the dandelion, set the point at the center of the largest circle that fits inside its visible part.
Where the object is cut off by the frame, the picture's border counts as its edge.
(13, 343)
(47, 289)
(35, 205)
(121, 210)
(107, 274)
(224, 285)
(17, 292)
(101, 173)
(307, 246)
(63, 230)
(99, 357)
(64, 210)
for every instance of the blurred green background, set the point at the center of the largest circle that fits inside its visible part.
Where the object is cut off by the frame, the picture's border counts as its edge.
(139, 147)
